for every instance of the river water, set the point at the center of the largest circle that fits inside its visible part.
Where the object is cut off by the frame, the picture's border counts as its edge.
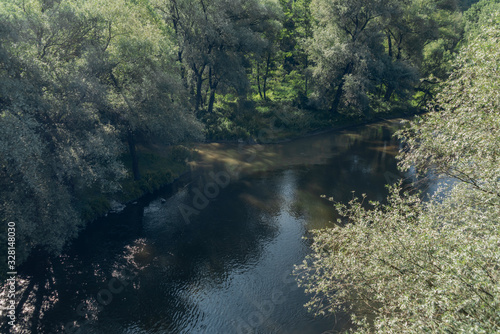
(212, 253)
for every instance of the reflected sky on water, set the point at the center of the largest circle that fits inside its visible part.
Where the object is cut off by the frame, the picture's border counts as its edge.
(225, 269)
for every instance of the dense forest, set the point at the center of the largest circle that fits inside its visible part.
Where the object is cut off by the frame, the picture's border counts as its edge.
(86, 85)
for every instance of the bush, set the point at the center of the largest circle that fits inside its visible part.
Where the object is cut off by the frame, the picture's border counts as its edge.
(414, 266)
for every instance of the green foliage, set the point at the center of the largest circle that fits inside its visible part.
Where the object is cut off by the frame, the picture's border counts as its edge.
(160, 165)
(53, 143)
(263, 121)
(367, 53)
(93, 206)
(413, 266)
(214, 38)
(479, 14)
(227, 122)
(76, 81)
(149, 183)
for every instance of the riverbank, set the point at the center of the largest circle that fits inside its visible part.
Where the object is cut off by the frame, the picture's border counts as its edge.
(161, 165)
(240, 245)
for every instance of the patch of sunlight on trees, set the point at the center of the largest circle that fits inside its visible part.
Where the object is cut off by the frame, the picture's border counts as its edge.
(432, 265)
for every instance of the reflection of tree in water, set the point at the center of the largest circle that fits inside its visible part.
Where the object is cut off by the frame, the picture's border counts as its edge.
(359, 163)
(50, 289)
(174, 263)
(228, 231)
(226, 235)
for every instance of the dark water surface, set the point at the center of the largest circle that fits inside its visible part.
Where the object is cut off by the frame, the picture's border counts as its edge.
(208, 257)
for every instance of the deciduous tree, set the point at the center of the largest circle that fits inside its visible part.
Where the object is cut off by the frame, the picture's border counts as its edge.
(415, 265)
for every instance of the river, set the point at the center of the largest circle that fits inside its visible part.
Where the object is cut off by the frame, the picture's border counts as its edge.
(212, 253)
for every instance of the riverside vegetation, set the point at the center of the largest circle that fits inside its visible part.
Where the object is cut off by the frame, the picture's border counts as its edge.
(419, 264)
(96, 94)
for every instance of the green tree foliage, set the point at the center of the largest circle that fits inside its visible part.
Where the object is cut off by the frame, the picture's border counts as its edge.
(440, 51)
(77, 80)
(476, 17)
(416, 266)
(297, 26)
(288, 65)
(52, 142)
(366, 53)
(214, 38)
(146, 95)
(265, 60)
(346, 46)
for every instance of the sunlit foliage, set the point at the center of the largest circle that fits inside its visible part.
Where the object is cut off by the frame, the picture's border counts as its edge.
(78, 80)
(414, 265)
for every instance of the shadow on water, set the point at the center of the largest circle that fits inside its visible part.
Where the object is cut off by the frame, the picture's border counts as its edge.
(224, 269)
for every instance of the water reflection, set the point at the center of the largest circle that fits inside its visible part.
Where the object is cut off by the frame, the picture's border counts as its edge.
(226, 269)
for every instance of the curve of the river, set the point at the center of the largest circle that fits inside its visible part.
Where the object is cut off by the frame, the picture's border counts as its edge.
(212, 253)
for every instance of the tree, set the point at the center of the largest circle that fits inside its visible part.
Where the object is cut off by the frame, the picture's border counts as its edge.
(147, 97)
(416, 265)
(265, 59)
(53, 143)
(78, 80)
(346, 47)
(282, 66)
(297, 26)
(367, 54)
(407, 29)
(214, 38)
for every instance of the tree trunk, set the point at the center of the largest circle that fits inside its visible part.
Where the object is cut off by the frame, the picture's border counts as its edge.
(133, 154)
(306, 65)
(389, 44)
(130, 134)
(388, 93)
(199, 83)
(211, 101)
(258, 80)
(340, 89)
(212, 83)
(268, 65)
(338, 95)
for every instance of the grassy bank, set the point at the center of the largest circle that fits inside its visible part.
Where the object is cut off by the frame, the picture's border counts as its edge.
(276, 121)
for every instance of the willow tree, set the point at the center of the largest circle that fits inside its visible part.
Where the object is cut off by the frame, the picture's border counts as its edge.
(53, 142)
(416, 266)
(79, 81)
(368, 53)
(137, 59)
(214, 39)
(346, 47)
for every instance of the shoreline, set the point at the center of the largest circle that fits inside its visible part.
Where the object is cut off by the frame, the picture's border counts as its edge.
(312, 133)
(184, 175)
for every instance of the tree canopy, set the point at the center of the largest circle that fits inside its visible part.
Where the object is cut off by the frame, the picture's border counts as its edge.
(418, 264)
(77, 81)
(84, 84)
